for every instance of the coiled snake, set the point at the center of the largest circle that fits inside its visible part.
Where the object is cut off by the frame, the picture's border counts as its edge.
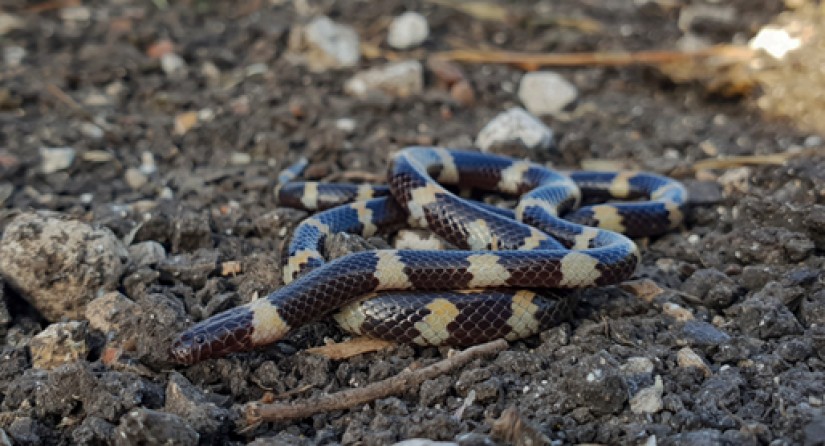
(497, 285)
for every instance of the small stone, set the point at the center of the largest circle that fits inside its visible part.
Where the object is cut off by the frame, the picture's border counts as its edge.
(90, 130)
(55, 159)
(795, 350)
(75, 14)
(463, 93)
(173, 65)
(546, 92)
(812, 309)
(58, 344)
(399, 79)
(346, 125)
(9, 22)
(637, 365)
(700, 333)
(59, 264)
(6, 191)
(147, 253)
(687, 358)
(188, 402)
(111, 312)
(677, 312)
(147, 163)
(240, 158)
(13, 55)
(408, 30)
(135, 178)
(146, 426)
(515, 126)
(327, 44)
(648, 399)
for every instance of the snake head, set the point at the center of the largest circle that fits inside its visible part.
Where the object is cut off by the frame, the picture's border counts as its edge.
(218, 336)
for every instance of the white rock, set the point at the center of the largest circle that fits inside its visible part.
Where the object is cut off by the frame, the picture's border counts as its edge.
(408, 30)
(55, 159)
(13, 55)
(330, 44)
(546, 92)
(398, 79)
(173, 65)
(649, 399)
(147, 163)
(346, 125)
(515, 125)
(240, 158)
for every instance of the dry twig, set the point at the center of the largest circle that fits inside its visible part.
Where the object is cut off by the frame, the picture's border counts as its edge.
(535, 60)
(257, 413)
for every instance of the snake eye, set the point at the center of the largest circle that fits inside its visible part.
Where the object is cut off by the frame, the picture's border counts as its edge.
(199, 339)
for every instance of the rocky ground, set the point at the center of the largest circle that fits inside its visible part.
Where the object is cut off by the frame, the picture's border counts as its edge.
(148, 137)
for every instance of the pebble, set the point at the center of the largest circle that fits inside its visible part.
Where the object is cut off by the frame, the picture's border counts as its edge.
(188, 402)
(148, 253)
(6, 191)
(714, 287)
(240, 158)
(687, 358)
(58, 344)
(515, 125)
(146, 426)
(173, 65)
(13, 55)
(677, 312)
(111, 312)
(812, 309)
(648, 399)
(399, 79)
(346, 125)
(637, 365)
(135, 178)
(91, 131)
(9, 22)
(546, 92)
(55, 159)
(147, 163)
(59, 264)
(327, 44)
(408, 30)
(700, 333)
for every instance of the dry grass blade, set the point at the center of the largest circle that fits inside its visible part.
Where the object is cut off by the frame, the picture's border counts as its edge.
(348, 349)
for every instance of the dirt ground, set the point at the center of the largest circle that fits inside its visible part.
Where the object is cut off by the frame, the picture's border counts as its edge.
(177, 158)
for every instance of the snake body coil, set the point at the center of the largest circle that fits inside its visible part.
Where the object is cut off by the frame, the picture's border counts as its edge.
(500, 282)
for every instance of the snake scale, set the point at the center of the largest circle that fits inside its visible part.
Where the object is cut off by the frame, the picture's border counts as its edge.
(500, 282)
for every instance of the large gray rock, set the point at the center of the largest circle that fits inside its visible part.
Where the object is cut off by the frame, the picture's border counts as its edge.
(59, 264)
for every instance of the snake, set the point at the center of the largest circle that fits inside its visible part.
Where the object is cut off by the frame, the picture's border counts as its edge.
(506, 278)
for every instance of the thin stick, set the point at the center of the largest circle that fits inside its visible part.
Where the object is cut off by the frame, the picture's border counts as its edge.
(751, 160)
(732, 52)
(407, 379)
